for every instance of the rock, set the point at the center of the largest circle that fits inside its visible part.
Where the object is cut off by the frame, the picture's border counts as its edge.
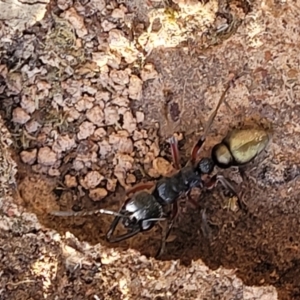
(162, 166)
(129, 122)
(84, 103)
(125, 161)
(98, 194)
(29, 157)
(54, 172)
(140, 117)
(72, 114)
(76, 20)
(104, 148)
(111, 184)
(135, 88)
(100, 58)
(28, 104)
(64, 4)
(100, 133)
(141, 146)
(121, 143)
(120, 77)
(107, 26)
(130, 179)
(111, 115)
(104, 96)
(32, 126)
(63, 143)
(91, 180)
(20, 116)
(121, 101)
(86, 129)
(148, 72)
(118, 13)
(70, 181)
(46, 156)
(96, 115)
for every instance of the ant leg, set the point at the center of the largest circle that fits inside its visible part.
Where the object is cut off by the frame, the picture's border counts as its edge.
(197, 148)
(175, 152)
(167, 230)
(85, 213)
(225, 182)
(140, 187)
(122, 237)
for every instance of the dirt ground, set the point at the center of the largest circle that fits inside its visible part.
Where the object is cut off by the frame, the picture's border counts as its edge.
(90, 94)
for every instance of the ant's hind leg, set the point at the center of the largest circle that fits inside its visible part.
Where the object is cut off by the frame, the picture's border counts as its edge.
(166, 231)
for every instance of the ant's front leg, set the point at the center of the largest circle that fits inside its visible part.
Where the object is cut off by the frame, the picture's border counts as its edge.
(226, 183)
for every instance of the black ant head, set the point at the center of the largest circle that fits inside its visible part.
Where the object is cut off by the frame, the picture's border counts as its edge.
(205, 165)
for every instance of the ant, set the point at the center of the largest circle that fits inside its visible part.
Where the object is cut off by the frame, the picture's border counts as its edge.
(149, 200)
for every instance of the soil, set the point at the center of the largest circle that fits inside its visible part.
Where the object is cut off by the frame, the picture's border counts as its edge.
(64, 54)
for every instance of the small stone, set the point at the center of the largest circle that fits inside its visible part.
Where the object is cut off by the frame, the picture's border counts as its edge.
(100, 133)
(100, 58)
(78, 165)
(149, 158)
(111, 185)
(121, 142)
(121, 101)
(119, 77)
(148, 72)
(104, 96)
(28, 104)
(153, 173)
(125, 161)
(63, 143)
(129, 122)
(32, 126)
(130, 179)
(54, 172)
(111, 115)
(98, 194)
(141, 146)
(162, 166)
(154, 147)
(96, 115)
(135, 88)
(64, 4)
(29, 157)
(20, 116)
(86, 129)
(118, 13)
(84, 103)
(73, 115)
(46, 156)
(119, 173)
(70, 181)
(76, 20)
(107, 26)
(91, 180)
(104, 148)
(140, 117)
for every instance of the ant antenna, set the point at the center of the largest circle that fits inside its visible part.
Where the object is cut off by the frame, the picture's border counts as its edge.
(86, 213)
